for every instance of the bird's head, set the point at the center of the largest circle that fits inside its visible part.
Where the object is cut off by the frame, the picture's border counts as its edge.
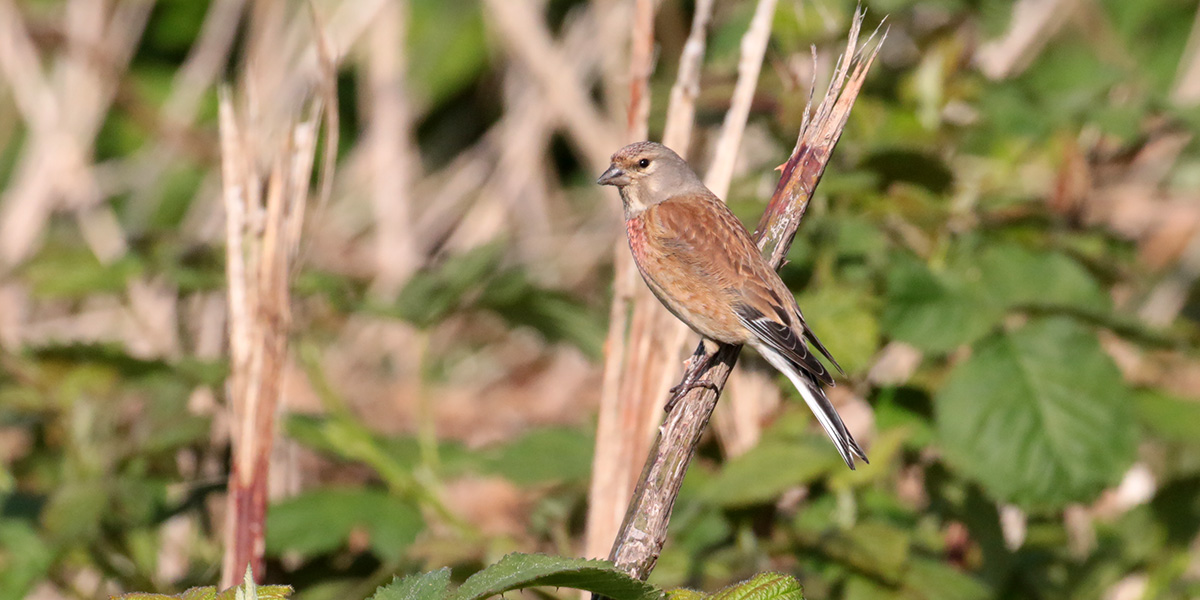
(647, 173)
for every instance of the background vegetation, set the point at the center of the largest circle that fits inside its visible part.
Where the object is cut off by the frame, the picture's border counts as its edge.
(1002, 254)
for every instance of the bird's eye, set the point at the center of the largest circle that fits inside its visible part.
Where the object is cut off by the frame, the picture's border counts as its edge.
(645, 162)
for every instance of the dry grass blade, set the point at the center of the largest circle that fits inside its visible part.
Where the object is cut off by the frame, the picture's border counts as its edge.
(644, 530)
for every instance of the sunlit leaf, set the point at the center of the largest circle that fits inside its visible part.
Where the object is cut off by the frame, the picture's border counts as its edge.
(517, 571)
(1039, 416)
(424, 586)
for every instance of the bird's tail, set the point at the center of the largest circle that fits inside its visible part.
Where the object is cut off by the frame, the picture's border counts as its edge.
(815, 397)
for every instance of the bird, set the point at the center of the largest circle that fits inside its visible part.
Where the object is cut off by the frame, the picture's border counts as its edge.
(701, 263)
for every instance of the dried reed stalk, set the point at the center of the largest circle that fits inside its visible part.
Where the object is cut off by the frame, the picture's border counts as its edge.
(395, 162)
(644, 530)
(63, 105)
(627, 409)
(266, 166)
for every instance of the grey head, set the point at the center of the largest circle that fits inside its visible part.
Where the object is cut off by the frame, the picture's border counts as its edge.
(647, 173)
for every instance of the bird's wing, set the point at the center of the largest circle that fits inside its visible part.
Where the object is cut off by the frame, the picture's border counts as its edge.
(714, 249)
(785, 340)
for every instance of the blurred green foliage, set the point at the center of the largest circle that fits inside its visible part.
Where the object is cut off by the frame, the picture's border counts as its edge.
(930, 229)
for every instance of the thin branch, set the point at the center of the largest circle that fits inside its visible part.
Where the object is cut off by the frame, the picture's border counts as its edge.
(644, 531)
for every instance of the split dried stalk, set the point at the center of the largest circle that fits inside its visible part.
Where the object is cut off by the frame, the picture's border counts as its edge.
(266, 168)
(644, 530)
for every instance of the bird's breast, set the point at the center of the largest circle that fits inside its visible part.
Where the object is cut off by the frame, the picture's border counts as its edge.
(635, 228)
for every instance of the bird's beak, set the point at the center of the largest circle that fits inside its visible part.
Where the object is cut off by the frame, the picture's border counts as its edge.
(614, 176)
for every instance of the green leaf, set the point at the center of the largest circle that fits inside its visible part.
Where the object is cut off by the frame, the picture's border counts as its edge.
(1039, 416)
(937, 312)
(261, 592)
(449, 36)
(431, 295)
(26, 558)
(555, 315)
(425, 586)
(843, 319)
(685, 594)
(929, 579)
(76, 273)
(764, 586)
(545, 455)
(517, 571)
(320, 521)
(1015, 276)
(1174, 419)
(770, 468)
(75, 511)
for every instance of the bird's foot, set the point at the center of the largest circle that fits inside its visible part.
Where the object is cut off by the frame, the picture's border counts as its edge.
(678, 391)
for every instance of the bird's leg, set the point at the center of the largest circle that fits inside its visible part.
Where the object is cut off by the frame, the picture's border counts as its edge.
(698, 363)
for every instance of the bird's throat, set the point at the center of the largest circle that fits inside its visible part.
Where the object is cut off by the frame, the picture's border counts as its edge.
(632, 202)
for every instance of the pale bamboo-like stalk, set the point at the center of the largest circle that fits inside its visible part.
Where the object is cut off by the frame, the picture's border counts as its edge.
(681, 112)
(393, 154)
(63, 106)
(644, 530)
(753, 47)
(627, 412)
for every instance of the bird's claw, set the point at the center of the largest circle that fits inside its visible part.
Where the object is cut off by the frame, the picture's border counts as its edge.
(678, 391)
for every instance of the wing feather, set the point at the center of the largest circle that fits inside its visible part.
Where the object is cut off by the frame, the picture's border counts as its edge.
(785, 340)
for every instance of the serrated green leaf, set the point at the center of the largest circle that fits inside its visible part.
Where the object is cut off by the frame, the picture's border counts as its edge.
(764, 586)
(1039, 416)
(518, 571)
(937, 312)
(425, 586)
(261, 592)
(685, 594)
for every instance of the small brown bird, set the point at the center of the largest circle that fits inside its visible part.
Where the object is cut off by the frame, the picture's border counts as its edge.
(702, 264)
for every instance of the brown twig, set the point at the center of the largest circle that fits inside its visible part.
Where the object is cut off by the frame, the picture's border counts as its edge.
(644, 530)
